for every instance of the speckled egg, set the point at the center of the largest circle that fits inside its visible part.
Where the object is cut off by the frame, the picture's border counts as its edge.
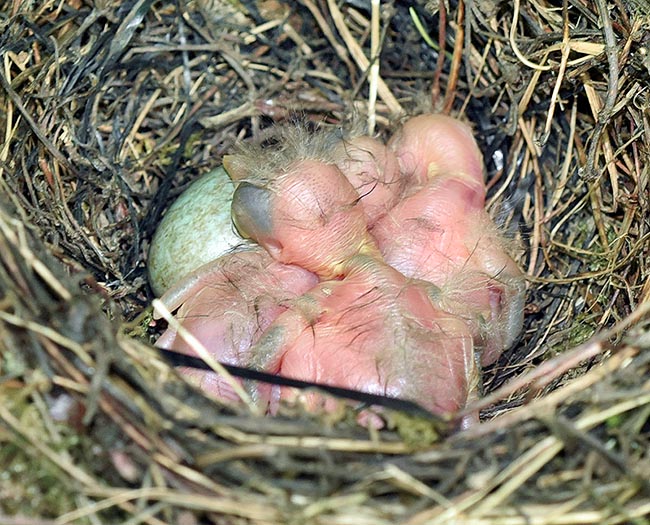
(196, 229)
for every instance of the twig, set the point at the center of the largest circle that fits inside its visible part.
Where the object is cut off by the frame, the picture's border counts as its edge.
(442, 40)
(553, 368)
(560, 74)
(612, 87)
(360, 58)
(374, 68)
(49, 145)
(547, 403)
(327, 31)
(454, 71)
(513, 42)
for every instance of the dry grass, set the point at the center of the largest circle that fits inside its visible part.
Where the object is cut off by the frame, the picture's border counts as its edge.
(107, 111)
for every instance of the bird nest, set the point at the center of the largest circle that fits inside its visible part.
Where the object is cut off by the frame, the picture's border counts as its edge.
(109, 109)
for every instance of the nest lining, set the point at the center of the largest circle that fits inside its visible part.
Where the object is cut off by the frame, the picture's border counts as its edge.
(108, 111)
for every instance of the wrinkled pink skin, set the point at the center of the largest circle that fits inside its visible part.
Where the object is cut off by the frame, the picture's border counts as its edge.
(435, 236)
(374, 173)
(227, 304)
(440, 232)
(314, 219)
(372, 331)
(430, 145)
(365, 326)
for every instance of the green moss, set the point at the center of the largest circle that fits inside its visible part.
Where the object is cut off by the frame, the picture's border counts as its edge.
(417, 432)
(31, 486)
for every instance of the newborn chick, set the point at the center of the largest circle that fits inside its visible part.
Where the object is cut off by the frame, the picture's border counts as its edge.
(227, 304)
(369, 165)
(373, 171)
(429, 145)
(365, 326)
(440, 232)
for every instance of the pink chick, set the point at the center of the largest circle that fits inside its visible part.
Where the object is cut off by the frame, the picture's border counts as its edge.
(429, 145)
(370, 166)
(440, 232)
(364, 326)
(227, 304)
(373, 171)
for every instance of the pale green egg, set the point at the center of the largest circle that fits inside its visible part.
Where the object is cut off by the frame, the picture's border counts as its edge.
(196, 229)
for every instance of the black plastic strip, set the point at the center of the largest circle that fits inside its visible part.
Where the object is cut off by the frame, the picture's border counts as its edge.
(393, 403)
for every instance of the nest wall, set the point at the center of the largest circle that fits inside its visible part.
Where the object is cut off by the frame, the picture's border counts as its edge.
(109, 109)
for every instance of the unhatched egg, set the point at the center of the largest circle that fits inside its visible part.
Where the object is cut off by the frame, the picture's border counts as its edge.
(199, 218)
